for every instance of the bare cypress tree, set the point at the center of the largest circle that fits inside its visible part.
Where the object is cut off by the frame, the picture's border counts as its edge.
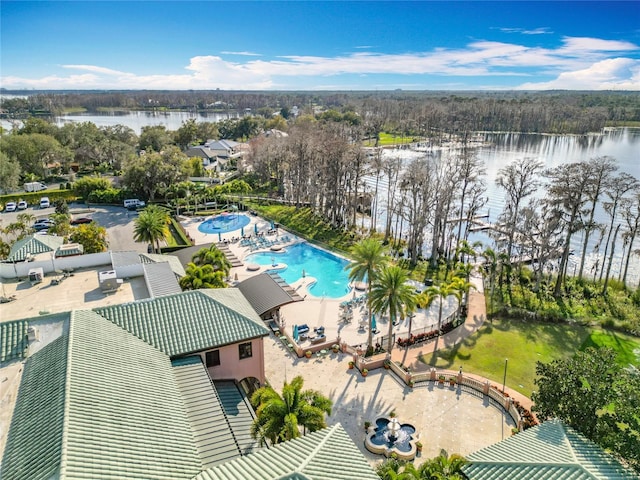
(631, 214)
(566, 195)
(600, 169)
(519, 179)
(616, 192)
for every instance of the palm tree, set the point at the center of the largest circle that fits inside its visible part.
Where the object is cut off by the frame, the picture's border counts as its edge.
(391, 293)
(197, 277)
(443, 467)
(151, 226)
(212, 256)
(368, 257)
(279, 417)
(455, 287)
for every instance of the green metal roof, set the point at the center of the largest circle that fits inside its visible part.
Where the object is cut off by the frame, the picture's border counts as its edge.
(213, 434)
(13, 340)
(189, 322)
(239, 413)
(124, 415)
(99, 403)
(34, 443)
(550, 451)
(328, 454)
(33, 245)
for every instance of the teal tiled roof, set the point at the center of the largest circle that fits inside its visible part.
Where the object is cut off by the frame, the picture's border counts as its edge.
(13, 340)
(33, 245)
(99, 403)
(34, 443)
(189, 322)
(239, 413)
(213, 435)
(550, 451)
(328, 454)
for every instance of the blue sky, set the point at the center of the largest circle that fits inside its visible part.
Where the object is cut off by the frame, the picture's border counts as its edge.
(304, 45)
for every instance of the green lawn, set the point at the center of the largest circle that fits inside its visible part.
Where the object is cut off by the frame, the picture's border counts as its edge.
(523, 344)
(391, 139)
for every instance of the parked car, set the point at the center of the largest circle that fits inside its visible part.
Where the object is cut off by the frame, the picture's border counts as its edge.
(43, 224)
(22, 205)
(44, 202)
(133, 204)
(10, 207)
(81, 220)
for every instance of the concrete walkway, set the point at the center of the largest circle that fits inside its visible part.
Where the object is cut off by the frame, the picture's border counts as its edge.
(476, 316)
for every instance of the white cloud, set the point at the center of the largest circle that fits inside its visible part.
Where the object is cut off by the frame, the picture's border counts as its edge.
(610, 74)
(577, 61)
(96, 69)
(246, 54)
(524, 31)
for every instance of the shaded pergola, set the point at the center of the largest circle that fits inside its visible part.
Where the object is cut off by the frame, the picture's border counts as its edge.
(267, 292)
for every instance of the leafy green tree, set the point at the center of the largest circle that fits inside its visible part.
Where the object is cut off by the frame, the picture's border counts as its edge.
(201, 276)
(280, 416)
(91, 236)
(61, 225)
(154, 138)
(368, 257)
(37, 125)
(34, 152)
(443, 467)
(152, 173)
(212, 256)
(61, 206)
(84, 186)
(593, 394)
(151, 226)
(187, 134)
(9, 173)
(391, 293)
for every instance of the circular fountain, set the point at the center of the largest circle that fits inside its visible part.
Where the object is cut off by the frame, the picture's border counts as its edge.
(390, 436)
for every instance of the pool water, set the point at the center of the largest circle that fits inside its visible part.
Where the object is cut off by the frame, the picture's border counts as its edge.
(223, 223)
(326, 268)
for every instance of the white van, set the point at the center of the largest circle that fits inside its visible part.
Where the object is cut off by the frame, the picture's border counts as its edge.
(44, 202)
(133, 203)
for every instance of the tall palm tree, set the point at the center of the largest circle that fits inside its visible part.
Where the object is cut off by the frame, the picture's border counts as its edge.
(279, 417)
(151, 226)
(391, 293)
(455, 287)
(212, 256)
(197, 277)
(368, 257)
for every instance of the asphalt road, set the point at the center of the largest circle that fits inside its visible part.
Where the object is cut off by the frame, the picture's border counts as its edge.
(117, 220)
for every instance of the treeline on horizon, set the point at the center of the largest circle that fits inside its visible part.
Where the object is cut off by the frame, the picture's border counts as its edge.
(407, 113)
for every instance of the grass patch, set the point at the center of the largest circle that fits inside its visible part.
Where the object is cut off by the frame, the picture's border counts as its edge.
(73, 110)
(391, 139)
(523, 343)
(304, 222)
(626, 346)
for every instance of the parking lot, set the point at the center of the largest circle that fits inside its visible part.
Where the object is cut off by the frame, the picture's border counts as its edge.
(118, 221)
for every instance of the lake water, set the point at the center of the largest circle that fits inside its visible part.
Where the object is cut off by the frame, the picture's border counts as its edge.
(500, 149)
(135, 120)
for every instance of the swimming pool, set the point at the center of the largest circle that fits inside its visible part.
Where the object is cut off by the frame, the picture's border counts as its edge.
(326, 268)
(223, 223)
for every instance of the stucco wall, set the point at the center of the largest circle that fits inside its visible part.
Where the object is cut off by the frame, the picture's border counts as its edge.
(231, 367)
(21, 269)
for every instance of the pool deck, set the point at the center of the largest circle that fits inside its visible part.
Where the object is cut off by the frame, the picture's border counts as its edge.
(315, 311)
(448, 417)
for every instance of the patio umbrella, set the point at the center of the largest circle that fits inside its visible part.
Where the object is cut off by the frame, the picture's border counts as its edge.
(255, 227)
(271, 224)
(295, 332)
(242, 231)
(219, 237)
(373, 322)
